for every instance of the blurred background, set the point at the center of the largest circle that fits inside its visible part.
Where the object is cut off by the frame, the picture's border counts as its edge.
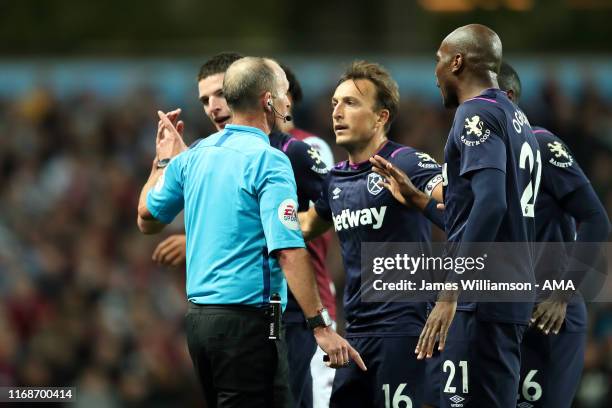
(81, 303)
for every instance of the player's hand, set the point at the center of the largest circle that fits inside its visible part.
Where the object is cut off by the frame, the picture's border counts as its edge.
(172, 251)
(436, 327)
(549, 315)
(169, 141)
(339, 350)
(399, 184)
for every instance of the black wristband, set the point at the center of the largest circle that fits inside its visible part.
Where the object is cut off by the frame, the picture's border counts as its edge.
(432, 213)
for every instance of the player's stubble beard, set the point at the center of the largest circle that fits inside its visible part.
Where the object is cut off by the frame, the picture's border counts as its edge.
(447, 86)
(449, 96)
(356, 146)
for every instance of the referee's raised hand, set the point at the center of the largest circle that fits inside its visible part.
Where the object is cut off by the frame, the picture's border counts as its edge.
(339, 350)
(169, 140)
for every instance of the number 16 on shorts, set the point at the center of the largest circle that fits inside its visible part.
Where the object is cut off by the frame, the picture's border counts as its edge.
(530, 389)
(398, 400)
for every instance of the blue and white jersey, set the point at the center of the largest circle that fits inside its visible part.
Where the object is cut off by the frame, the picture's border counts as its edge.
(490, 132)
(364, 211)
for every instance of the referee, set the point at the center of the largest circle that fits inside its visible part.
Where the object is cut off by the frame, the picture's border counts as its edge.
(239, 198)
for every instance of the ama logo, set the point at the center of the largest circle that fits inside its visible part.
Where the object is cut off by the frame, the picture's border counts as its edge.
(287, 214)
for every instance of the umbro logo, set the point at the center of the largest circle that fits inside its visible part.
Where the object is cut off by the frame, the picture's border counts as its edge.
(456, 401)
(524, 405)
(336, 193)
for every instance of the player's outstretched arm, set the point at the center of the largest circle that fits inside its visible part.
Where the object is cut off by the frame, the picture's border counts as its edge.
(399, 184)
(172, 251)
(296, 265)
(404, 191)
(312, 224)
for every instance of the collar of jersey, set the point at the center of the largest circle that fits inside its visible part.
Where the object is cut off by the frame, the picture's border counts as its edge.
(490, 92)
(249, 129)
(383, 152)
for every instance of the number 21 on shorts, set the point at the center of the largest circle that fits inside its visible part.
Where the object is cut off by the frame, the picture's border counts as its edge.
(449, 367)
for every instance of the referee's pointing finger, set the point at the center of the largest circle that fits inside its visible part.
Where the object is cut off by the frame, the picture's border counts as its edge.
(357, 358)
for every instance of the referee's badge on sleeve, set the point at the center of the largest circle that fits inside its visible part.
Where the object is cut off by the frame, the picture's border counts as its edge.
(287, 214)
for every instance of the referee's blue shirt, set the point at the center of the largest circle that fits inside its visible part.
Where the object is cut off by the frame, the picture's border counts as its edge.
(240, 202)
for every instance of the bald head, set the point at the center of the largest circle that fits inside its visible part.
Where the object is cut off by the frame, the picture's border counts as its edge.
(468, 62)
(480, 46)
(247, 80)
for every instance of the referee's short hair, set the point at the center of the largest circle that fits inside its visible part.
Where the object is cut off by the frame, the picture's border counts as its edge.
(246, 80)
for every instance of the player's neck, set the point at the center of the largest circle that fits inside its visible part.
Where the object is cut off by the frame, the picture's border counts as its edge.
(362, 153)
(473, 87)
(256, 120)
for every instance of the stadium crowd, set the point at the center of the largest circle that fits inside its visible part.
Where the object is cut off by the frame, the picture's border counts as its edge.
(83, 304)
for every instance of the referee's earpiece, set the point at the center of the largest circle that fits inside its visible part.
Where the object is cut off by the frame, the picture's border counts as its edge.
(285, 118)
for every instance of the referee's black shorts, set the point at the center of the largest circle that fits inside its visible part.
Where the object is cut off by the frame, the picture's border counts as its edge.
(237, 365)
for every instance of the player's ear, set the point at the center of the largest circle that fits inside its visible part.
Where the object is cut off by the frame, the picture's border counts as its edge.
(383, 117)
(457, 63)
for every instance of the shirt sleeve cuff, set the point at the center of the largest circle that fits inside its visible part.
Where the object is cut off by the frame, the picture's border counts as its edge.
(294, 243)
(155, 212)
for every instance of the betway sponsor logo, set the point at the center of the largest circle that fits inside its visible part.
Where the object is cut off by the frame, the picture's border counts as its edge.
(367, 216)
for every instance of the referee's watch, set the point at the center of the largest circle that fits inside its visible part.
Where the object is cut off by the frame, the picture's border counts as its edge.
(163, 163)
(321, 319)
